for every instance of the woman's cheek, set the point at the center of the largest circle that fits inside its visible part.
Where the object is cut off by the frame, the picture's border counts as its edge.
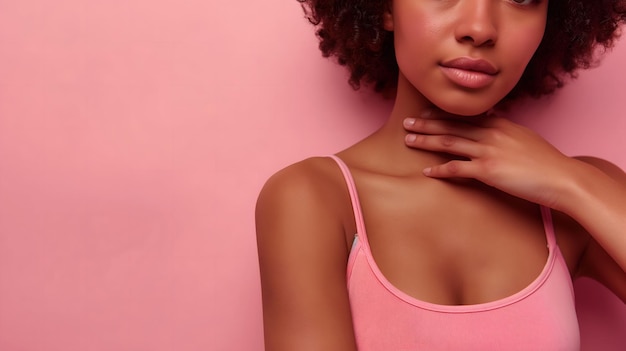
(523, 47)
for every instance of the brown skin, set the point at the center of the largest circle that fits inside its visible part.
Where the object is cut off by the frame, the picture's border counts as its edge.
(302, 223)
(465, 234)
(474, 244)
(586, 193)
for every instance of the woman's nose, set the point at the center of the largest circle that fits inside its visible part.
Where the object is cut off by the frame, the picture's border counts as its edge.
(477, 23)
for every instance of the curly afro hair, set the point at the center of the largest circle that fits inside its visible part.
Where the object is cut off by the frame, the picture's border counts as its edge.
(576, 31)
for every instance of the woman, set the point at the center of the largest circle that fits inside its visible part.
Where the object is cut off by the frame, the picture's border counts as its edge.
(469, 238)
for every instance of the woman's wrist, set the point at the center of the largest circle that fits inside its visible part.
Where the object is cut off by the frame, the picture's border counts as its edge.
(577, 192)
(592, 197)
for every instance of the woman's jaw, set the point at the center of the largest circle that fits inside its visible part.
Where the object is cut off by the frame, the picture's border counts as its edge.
(410, 102)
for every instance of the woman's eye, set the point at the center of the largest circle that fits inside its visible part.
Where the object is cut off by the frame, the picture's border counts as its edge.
(524, 2)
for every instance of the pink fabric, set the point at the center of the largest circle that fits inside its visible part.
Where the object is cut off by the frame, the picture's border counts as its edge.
(542, 316)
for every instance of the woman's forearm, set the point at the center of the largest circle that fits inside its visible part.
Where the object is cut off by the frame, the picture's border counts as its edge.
(596, 199)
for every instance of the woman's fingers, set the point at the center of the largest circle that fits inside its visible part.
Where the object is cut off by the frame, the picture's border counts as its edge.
(443, 127)
(453, 169)
(450, 144)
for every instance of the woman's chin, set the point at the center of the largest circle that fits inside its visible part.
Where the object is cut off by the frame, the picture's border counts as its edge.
(466, 110)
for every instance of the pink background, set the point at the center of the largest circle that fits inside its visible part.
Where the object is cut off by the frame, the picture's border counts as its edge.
(134, 138)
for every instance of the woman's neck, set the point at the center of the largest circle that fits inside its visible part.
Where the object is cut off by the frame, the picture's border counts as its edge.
(386, 147)
(409, 102)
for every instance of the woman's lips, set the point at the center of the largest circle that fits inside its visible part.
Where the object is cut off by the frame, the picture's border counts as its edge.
(469, 73)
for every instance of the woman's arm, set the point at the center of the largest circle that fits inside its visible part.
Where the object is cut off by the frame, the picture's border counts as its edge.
(303, 258)
(597, 201)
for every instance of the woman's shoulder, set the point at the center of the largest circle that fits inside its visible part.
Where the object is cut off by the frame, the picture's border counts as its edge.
(302, 248)
(606, 166)
(310, 178)
(313, 188)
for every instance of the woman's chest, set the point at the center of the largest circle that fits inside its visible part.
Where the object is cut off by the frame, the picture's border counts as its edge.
(454, 246)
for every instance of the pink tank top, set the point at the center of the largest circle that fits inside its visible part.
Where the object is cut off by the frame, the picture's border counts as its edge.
(542, 316)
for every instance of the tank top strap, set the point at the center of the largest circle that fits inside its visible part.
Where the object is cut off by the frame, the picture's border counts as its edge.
(354, 196)
(546, 213)
(548, 226)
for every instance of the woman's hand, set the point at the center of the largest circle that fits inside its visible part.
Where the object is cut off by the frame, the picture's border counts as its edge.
(518, 161)
(498, 152)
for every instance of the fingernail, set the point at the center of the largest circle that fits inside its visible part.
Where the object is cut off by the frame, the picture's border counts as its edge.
(426, 113)
(410, 138)
(409, 122)
(427, 171)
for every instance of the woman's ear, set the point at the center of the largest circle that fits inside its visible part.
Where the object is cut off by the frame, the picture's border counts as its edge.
(388, 18)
